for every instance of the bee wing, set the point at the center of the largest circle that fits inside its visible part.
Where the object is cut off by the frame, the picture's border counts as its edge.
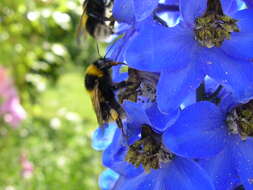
(81, 27)
(96, 99)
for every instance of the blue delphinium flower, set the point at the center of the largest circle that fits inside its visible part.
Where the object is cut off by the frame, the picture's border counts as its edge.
(142, 149)
(225, 132)
(188, 52)
(168, 140)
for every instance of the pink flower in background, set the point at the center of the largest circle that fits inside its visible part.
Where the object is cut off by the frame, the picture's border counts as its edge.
(10, 108)
(26, 167)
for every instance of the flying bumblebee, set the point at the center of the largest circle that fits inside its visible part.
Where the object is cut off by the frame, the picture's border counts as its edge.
(98, 82)
(96, 19)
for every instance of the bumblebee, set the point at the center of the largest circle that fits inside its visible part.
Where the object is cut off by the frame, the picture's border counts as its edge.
(98, 82)
(96, 19)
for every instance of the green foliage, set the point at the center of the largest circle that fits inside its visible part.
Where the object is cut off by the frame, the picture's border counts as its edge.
(38, 46)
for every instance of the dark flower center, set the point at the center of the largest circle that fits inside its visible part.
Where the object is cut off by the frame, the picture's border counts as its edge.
(240, 120)
(148, 151)
(214, 27)
(141, 88)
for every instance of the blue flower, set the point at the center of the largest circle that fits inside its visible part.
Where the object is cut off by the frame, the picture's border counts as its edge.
(183, 62)
(178, 173)
(217, 133)
(107, 179)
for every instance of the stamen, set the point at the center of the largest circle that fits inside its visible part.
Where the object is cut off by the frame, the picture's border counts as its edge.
(148, 151)
(240, 120)
(214, 27)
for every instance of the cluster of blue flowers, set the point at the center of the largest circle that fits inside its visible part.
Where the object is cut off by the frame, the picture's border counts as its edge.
(191, 126)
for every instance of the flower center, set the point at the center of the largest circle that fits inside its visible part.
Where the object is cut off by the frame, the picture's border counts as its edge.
(240, 120)
(141, 87)
(214, 27)
(148, 151)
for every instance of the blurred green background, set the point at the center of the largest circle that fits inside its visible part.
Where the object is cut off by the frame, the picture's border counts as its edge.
(38, 47)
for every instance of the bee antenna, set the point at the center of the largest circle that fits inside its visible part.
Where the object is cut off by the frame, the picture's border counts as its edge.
(98, 50)
(109, 49)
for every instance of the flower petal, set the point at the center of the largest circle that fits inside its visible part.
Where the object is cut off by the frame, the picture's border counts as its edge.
(132, 11)
(229, 6)
(136, 117)
(174, 87)
(235, 74)
(249, 3)
(135, 113)
(179, 174)
(199, 132)
(107, 179)
(191, 9)
(243, 151)
(241, 43)
(103, 136)
(114, 157)
(158, 120)
(156, 47)
(221, 170)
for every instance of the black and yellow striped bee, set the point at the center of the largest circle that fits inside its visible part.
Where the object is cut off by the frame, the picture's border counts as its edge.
(99, 84)
(97, 19)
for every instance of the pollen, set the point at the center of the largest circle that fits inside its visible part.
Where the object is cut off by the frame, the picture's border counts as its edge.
(212, 30)
(240, 120)
(148, 152)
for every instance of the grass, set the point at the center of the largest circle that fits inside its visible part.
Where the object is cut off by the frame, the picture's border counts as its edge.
(56, 137)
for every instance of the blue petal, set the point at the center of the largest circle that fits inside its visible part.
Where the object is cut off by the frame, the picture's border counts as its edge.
(235, 74)
(107, 179)
(243, 151)
(199, 132)
(229, 6)
(174, 87)
(249, 3)
(179, 174)
(135, 113)
(114, 157)
(221, 170)
(241, 43)
(136, 117)
(191, 9)
(132, 11)
(103, 136)
(158, 120)
(116, 51)
(156, 47)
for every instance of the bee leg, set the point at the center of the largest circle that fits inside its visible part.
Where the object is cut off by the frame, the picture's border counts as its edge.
(128, 95)
(120, 125)
(120, 85)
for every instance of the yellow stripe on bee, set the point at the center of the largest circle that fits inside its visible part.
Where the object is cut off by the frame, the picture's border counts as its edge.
(93, 70)
(114, 114)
